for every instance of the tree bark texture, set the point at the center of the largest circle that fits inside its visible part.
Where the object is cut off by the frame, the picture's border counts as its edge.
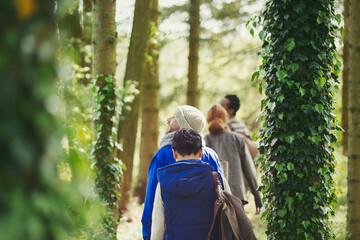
(353, 214)
(194, 38)
(104, 68)
(127, 129)
(150, 104)
(345, 87)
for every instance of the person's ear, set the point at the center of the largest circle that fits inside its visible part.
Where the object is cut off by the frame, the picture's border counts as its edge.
(230, 112)
(175, 154)
(200, 153)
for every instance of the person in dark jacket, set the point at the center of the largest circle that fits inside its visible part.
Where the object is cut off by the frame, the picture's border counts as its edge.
(185, 117)
(185, 194)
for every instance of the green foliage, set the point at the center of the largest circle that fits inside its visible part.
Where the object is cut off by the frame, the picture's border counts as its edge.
(107, 168)
(36, 200)
(300, 64)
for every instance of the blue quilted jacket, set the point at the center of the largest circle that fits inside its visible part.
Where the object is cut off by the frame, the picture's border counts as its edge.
(187, 190)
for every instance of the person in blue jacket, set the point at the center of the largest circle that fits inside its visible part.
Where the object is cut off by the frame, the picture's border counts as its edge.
(185, 195)
(185, 117)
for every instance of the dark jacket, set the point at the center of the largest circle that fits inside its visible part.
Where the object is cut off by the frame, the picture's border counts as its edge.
(187, 190)
(163, 157)
(234, 224)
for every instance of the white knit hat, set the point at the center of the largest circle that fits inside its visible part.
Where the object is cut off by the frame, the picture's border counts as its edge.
(189, 117)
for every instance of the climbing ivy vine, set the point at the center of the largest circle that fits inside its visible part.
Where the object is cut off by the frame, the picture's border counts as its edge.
(108, 168)
(300, 70)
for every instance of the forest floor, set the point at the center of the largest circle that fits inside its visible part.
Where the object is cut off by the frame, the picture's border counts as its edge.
(130, 223)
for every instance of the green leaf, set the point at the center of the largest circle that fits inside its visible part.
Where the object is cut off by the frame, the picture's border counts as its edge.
(281, 74)
(272, 106)
(260, 87)
(282, 212)
(289, 44)
(302, 91)
(294, 67)
(289, 138)
(252, 32)
(280, 98)
(313, 92)
(320, 81)
(255, 75)
(290, 166)
(300, 195)
(338, 18)
(305, 223)
(289, 201)
(342, 30)
(262, 35)
(300, 134)
(280, 116)
(279, 167)
(319, 108)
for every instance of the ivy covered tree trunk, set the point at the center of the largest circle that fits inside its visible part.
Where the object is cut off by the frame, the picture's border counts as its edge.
(345, 83)
(134, 72)
(194, 38)
(107, 167)
(299, 63)
(353, 214)
(150, 103)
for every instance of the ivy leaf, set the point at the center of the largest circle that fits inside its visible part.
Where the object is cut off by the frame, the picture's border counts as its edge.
(302, 91)
(289, 139)
(262, 35)
(281, 74)
(260, 87)
(342, 30)
(280, 98)
(319, 108)
(300, 134)
(320, 81)
(255, 75)
(289, 44)
(338, 18)
(279, 167)
(305, 223)
(289, 201)
(282, 212)
(300, 195)
(290, 166)
(294, 67)
(281, 115)
(313, 92)
(252, 32)
(272, 106)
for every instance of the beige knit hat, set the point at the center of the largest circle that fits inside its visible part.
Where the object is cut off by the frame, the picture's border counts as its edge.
(189, 117)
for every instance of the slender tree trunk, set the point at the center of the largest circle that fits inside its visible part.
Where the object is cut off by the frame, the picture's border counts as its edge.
(194, 37)
(104, 68)
(345, 88)
(86, 40)
(353, 215)
(127, 129)
(150, 104)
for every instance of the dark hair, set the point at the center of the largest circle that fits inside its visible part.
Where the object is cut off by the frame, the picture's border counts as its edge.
(234, 102)
(186, 142)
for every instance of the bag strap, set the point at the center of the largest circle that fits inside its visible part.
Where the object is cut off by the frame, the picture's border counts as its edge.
(218, 201)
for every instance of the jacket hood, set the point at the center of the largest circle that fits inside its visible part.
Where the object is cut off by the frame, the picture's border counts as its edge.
(185, 177)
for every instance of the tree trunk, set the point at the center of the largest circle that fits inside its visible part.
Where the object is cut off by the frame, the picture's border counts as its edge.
(345, 87)
(150, 104)
(104, 68)
(86, 41)
(127, 129)
(353, 214)
(194, 37)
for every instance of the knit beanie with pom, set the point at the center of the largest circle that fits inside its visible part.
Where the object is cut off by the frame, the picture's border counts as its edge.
(189, 117)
